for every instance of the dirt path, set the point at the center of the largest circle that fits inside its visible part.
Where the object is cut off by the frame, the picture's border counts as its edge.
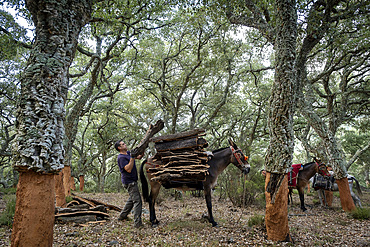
(182, 224)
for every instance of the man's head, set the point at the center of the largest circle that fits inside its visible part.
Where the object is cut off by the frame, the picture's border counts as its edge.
(119, 145)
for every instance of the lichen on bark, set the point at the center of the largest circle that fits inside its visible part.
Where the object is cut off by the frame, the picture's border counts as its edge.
(40, 108)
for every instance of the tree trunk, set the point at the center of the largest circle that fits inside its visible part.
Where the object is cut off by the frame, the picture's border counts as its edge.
(345, 195)
(67, 180)
(60, 197)
(73, 184)
(340, 171)
(280, 151)
(41, 114)
(336, 160)
(277, 210)
(34, 215)
(329, 197)
(82, 182)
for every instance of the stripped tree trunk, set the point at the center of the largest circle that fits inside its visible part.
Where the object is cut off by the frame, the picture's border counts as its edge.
(329, 197)
(345, 200)
(60, 198)
(336, 160)
(33, 224)
(277, 227)
(280, 151)
(73, 184)
(67, 180)
(38, 149)
(82, 182)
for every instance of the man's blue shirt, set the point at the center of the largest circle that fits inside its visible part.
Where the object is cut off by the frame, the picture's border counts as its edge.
(126, 177)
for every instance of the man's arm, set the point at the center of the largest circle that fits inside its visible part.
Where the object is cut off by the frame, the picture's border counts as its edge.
(130, 165)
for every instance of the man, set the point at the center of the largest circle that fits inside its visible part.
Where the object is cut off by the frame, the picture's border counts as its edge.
(129, 178)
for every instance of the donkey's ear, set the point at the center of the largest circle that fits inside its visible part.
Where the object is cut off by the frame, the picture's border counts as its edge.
(233, 144)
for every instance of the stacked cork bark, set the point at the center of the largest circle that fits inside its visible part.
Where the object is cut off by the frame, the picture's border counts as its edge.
(181, 157)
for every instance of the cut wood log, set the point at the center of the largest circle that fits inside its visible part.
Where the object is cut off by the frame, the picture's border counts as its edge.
(178, 171)
(93, 222)
(166, 159)
(195, 168)
(96, 202)
(181, 135)
(68, 210)
(81, 199)
(79, 213)
(71, 203)
(182, 163)
(109, 206)
(180, 144)
(178, 177)
(100, 208)
(180, 157)
(153, 129)
(83, 206)
(77, 219)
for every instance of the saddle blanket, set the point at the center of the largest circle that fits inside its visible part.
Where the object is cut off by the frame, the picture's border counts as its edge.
(293, 174)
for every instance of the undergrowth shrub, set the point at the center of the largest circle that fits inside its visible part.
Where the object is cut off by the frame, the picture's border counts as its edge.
(69, 199)
(256, 220)
(8, 191)
(243, 190)
(360, 214)
(6, 218)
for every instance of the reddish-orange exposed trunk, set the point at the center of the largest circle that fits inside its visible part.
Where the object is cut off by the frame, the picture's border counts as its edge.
(82, 182)
(329, 197)
(345, 195)
(67, 180)
(60, 197)
(34, 215)
(73, 185)
(276, 216)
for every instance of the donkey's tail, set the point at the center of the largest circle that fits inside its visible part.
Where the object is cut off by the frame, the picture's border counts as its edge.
(358, 186)
(144, 183)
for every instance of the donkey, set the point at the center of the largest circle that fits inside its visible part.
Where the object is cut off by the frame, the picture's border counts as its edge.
(303, 178)
(220, 159)
(351, 182)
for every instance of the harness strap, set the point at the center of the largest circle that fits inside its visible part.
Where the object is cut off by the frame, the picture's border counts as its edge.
(318, 166)
(236, 156)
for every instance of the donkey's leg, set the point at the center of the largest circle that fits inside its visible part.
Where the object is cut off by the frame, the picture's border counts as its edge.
(153, 218)
(208, 196)
(356, 199)
(324, 196)
(290, 197)
(153, 196)
(301, 198)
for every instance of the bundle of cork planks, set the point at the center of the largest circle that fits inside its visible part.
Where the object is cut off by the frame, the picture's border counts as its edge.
(181, 157)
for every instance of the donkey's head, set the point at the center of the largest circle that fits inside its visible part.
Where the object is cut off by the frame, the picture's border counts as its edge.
(322, 168)
(238, 158)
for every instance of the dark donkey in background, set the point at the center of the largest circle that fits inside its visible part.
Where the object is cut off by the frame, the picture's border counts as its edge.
(303, 178)
(220, 160)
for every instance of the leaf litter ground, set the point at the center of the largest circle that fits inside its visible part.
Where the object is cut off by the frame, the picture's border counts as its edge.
(182, 223)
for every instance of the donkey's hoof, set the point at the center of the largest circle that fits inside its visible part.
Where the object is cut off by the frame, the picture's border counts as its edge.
(155, 223)
(215, 224)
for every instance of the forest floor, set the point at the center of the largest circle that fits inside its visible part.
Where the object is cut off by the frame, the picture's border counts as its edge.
(182, 224)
